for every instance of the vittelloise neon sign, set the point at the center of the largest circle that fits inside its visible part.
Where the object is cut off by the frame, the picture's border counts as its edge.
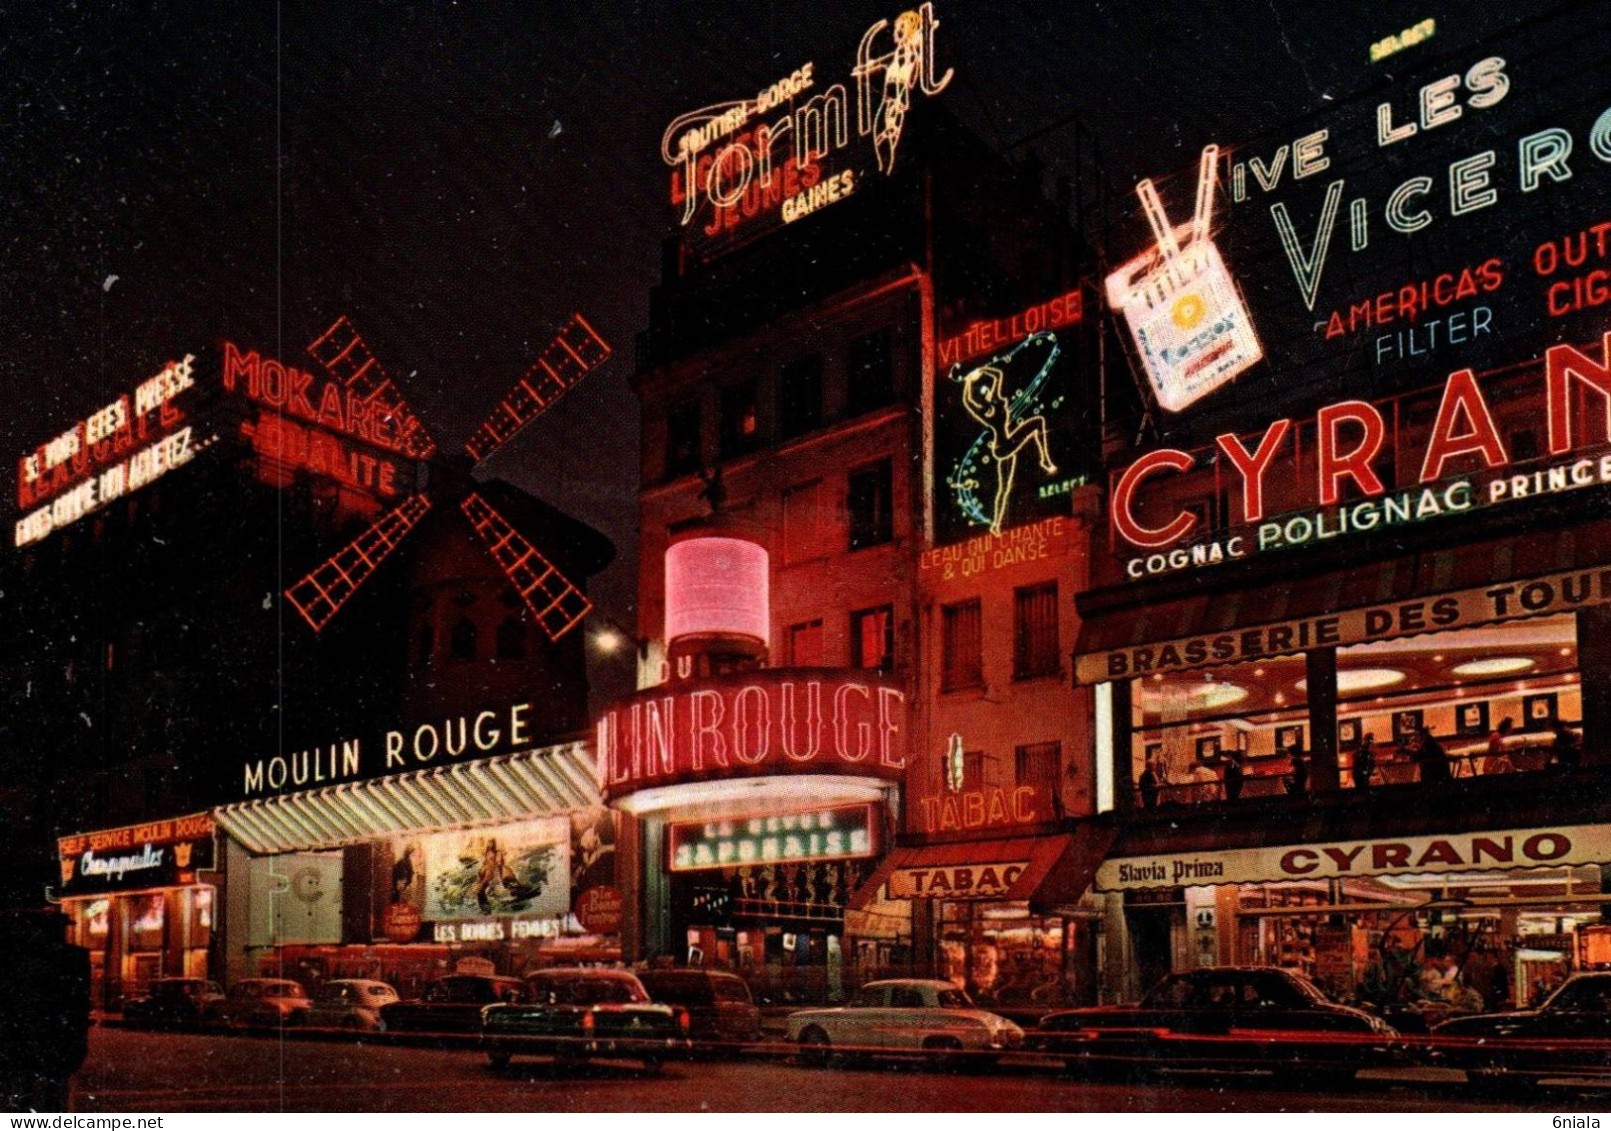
(723, 157)
(1349, 437)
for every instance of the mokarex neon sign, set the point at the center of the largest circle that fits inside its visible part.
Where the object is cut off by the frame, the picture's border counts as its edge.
(785, 152)
(1331, 479)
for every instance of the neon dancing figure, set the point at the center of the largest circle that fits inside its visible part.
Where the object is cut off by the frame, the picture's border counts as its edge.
(1006, 431)
(908, 66)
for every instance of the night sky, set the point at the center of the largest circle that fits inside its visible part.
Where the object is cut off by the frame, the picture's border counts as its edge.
(459, 177)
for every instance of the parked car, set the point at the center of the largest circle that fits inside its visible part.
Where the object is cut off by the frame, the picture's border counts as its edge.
(1227, 1018)
(259, 1003)
(451, 1004)
(574, 1014)
(1568, 1035)
(174, 1001)
(720, 1011)
(350, 1003)
(903, 1017)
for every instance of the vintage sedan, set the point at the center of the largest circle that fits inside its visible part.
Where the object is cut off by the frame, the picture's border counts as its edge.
(1225, 1018)
(350, 1003)
(450, 1005)
(262, 1003)
(1568, 1037)
(904, 1017)
(174, 1001)
(574, 1014)
(721, 1012)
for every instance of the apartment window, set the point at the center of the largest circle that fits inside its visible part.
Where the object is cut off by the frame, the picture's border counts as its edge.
(511, 639)
(800, 396)
(1034, 632)
(871, 376)
(973, 769)
(461, 643)
(870, 502)
(961, 645)
(872, 638)
(740, 427)
(1039, 765)
(805, 523)
(682, 439)
(805, 644)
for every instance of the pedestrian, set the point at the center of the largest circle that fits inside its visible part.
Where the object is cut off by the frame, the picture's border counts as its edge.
(1497, 759)
(1233, 774)
(1432, 758)
(1568, 748)
(1364, 761)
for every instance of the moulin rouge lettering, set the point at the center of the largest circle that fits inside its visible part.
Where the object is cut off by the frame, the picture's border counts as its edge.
(769, 725)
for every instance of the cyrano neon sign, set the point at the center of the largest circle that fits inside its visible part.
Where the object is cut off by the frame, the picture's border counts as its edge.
(727, 161)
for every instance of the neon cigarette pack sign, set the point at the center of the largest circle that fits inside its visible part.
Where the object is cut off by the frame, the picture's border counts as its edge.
(802, 143)
(1453, 217)
(121, 447)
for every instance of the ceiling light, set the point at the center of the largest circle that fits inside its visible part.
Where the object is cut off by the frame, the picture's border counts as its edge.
(1495, 665)
(1361, 679)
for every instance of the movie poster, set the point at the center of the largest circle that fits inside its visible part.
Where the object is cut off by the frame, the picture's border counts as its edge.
(517, 869)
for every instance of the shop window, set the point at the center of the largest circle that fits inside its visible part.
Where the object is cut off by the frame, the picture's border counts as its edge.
(973, 770)
(871, 376)
(805, 644)
(800, 396)
(1495, 699)
(870, 503)
(805, 523)
(961, 646)
(511, 639)
(683, 454)
(1034, 640)
(872, 638)
(461, 643)
(739, 423)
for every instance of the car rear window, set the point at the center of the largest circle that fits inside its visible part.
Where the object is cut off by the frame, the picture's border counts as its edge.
(732, 989)
(586, 990)
(679, 989)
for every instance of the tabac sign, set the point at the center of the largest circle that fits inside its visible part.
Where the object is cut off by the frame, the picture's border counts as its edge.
(804, 142)
(1388, 856)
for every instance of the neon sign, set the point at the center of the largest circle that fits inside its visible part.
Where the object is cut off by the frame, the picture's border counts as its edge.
(826, 834)
(1191, 329)
(762, 157)
(959, 810)
(778, 721)
(1348, 438)
(126, 445)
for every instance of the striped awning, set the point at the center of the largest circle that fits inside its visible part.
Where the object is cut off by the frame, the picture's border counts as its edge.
(533, 783)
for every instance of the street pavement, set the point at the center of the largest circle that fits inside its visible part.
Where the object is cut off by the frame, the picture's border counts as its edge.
(134, 1071)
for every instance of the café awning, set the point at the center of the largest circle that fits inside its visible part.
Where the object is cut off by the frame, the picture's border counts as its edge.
(544, 782)
(1053, 869)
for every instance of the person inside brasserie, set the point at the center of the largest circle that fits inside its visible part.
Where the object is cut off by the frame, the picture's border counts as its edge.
(1568, 747)
(1206, 779)
(1430, 755)
(1497, 759)
(1147, 783)
(1364, 761)
(1298, 781)
(1233, 774)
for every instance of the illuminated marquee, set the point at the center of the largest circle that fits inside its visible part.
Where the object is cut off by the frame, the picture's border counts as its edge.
(778, 721)
(158, 853)
(120, 448)
(1349, 438)
(762, 158)
(826, 834)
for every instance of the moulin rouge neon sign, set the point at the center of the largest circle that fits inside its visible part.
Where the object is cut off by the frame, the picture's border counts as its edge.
(727, 162)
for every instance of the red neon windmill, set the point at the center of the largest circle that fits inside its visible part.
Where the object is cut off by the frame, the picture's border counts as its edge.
(557, 605)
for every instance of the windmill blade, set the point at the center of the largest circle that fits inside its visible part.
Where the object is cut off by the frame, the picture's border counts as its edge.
(574, 353)
(318, 595)
(557, 604)
(346, 357)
